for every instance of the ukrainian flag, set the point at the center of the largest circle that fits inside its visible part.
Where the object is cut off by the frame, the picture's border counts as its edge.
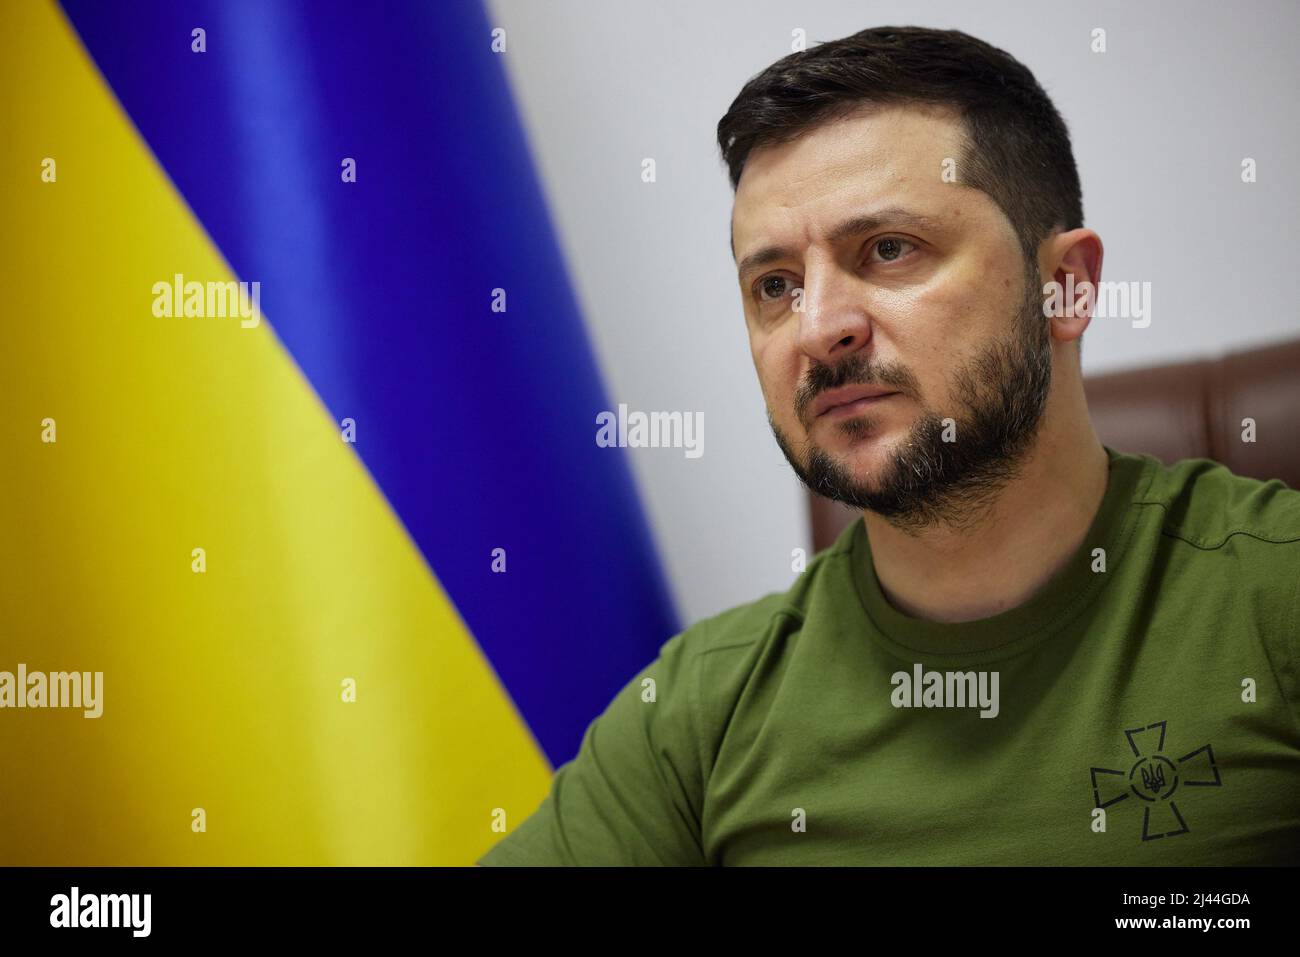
(354, 570)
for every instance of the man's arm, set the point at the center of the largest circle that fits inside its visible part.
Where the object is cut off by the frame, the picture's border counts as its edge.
(634, 793)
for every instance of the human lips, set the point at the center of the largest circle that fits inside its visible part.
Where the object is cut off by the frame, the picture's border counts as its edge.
(849, 400)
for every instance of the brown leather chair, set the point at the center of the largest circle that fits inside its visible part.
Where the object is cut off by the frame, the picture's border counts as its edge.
(1180, 411)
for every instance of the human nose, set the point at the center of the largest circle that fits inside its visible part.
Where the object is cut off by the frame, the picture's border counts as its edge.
(835, 319)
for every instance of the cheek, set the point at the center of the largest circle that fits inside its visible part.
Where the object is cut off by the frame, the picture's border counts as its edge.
(931, 329)
(923, 324)
(776, 361)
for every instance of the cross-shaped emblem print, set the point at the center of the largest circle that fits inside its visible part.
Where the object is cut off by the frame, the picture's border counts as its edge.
(1154, 779)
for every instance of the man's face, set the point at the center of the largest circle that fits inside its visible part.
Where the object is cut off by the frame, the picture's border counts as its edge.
(876, 271)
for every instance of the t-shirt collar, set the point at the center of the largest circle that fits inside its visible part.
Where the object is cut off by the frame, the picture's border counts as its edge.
(1051, 608)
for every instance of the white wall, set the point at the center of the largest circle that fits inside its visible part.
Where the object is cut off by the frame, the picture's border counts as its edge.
(1160, 123)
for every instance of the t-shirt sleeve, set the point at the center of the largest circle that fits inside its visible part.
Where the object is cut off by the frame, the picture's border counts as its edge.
(634, 793)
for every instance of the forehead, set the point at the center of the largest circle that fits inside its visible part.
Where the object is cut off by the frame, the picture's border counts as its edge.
(877, 156)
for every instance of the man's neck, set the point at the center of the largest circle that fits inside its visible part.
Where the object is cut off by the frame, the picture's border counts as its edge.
(1022, 538)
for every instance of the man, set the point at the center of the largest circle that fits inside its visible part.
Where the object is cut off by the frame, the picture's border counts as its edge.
(1033, 649)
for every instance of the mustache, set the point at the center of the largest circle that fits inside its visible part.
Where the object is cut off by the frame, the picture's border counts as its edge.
(856, 370)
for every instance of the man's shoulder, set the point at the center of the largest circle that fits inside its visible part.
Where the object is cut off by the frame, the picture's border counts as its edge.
(732, 633)
(1205, 504)
(745, 626)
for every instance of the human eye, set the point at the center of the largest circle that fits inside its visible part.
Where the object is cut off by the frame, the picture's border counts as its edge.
(889, 249)
(774, 285)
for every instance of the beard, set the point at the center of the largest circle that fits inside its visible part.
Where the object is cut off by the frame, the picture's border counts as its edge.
(926, 480)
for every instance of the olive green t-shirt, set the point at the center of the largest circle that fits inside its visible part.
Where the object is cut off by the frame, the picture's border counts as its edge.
(1142, 708)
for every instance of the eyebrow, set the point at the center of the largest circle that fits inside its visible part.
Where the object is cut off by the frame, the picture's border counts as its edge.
(853, 226)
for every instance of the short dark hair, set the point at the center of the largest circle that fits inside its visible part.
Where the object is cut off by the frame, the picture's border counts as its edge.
(1018, 148)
